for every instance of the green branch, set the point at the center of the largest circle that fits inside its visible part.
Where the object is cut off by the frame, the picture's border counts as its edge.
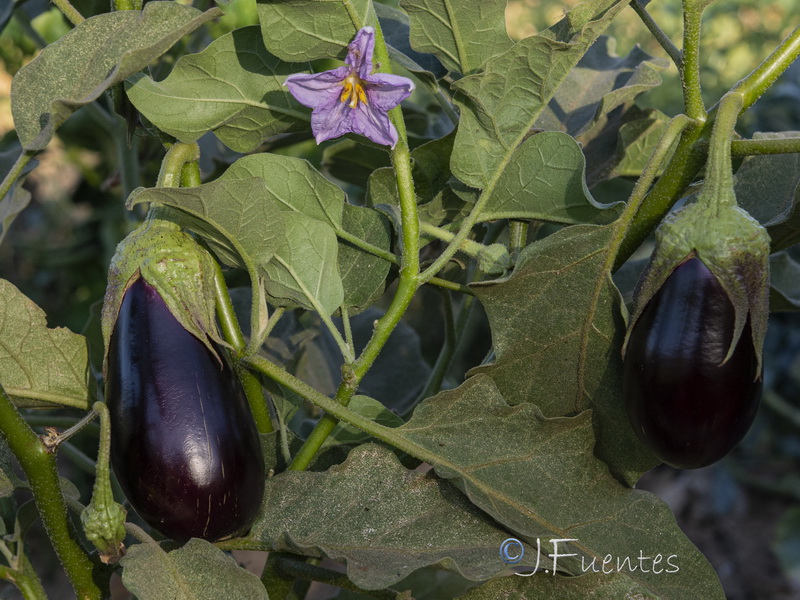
(69, 11)
(765, 74)
(40, 469)
(789, 145)
(178, 155)
(29, 585)
(661, 37)
(407, 284)
(690, 66)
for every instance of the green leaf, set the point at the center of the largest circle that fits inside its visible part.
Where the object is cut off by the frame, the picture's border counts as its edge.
(542, 586)
(635, 143)
(100, 52)
(382, 519)
(396, 31)
(461, 33)
(565, 357)
(304, 30)
(304, 270)
(230, 214)
(784, 278)
(544, 180)
(293, 185)
(539, 478)
(40, 367)
(601, 82)
(17, 198)
(500, 105)
(234, 88)
(352, 162)
(363, 274)
(8, 479)
(768, 187)
(196, 571)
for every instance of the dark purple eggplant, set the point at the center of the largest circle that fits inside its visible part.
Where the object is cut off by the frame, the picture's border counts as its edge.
(686, 407)
(183, 442)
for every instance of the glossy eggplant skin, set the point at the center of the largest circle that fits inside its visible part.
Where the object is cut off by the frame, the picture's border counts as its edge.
(183, 442)
(686, 407)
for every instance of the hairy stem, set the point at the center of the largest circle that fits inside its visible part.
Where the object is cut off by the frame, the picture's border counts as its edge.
(40, 469)
(690, 67)
(16, 169)
(719, 177)
(177, 156)
(661, 37)
(789, 145)
(28, 584)
(764, 75)
(69, 11)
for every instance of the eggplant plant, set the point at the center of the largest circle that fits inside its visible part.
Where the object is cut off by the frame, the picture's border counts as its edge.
(364, 310)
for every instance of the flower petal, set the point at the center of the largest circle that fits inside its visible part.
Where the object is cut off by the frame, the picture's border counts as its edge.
(359, 52)
(374, 124)
(333, 122)
(317, 89)
(386, 91)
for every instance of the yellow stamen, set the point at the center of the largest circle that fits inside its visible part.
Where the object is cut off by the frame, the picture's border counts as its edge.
(353, 91)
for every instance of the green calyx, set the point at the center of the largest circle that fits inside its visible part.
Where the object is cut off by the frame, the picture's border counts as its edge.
(170, 260)
(734, 247)
(103, 519)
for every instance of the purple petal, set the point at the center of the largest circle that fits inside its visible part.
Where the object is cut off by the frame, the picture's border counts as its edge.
(374, 124)
(359, 52)
(384, 91)
(317, 89)
(332, 122)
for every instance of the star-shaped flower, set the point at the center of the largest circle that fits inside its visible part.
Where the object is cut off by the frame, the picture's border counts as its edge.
(352, 98)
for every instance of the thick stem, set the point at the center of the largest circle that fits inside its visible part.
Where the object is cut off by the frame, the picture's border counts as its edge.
(765, 74)
(718, 185)
(518, 237)
(29, 586)
(40, 469)
(190, 177)
(178, 155)
(690, 67)
(789, 145)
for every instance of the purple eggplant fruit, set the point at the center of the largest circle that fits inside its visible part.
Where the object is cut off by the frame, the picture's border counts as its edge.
(686, 406)
(184, 445)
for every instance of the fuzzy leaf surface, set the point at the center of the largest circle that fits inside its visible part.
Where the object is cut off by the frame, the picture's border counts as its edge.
(98, 53)
(570, 361)
(461, 33)
(196, 571)
(542, 586)
(500, 105)
(382, 519)
(539, 478)
(304, 30)
(234, 87)
(40, 367)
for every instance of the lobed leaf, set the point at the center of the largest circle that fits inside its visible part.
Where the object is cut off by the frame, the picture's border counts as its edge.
(99, 52)
(500, 105)
(40, 367)
(571, 360)
(195, 571)
(462, 34)
(234, 87)
(538, 477)
(304, 30)
(382, 519)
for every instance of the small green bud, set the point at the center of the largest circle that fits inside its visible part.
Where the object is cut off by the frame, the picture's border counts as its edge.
(732, 245)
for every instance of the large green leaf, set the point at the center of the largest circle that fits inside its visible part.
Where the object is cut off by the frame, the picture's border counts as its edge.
(500, 105)
(600, 83)
(40, 367)
(382, 519)
(565, 357)
(544, 180)
(539, 478)
(195, 571)
(543, 586)
(96, 54)
(234, 88)
(463, 34)
(303, 30)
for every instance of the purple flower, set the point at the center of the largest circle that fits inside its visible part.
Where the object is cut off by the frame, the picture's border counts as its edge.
(350, 98)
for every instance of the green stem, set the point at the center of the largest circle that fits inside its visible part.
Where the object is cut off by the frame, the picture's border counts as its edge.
(233, 335)
(518, 237)
(40, 469)
(690, 67)
(661, 37)
(29, 586)
(765, 74)
(718, 185)
(407, 285)
(190, 177)
(789, 145)
(16, 170)
(128, 4)
(139, 534)
(469, 247)
(178, 155)
(277, 584)
(69, 11)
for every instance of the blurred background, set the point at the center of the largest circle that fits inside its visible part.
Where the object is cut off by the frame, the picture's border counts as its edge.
(743, 513)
